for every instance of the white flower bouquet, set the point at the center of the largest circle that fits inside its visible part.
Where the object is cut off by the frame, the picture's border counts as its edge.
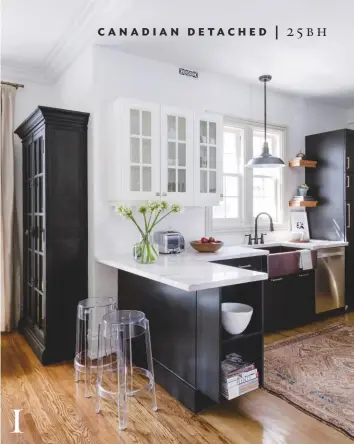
(153, 213)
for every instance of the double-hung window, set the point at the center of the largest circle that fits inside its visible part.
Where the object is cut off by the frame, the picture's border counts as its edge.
(248, 191)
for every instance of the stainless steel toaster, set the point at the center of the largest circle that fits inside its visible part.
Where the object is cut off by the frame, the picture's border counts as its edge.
(169, 241)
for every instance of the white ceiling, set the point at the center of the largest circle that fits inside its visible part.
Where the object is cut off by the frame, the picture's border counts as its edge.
(40, 38)
(321, 67)
(30, 29)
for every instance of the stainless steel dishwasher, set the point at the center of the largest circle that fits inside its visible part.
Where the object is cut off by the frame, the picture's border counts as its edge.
(330, 279)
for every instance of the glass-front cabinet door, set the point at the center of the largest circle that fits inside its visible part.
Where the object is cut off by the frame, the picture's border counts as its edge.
(34, 233)
(177, 155)
(208, 159)
(140, 150)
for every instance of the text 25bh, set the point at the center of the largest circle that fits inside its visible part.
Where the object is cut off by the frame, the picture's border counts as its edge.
(299, 33)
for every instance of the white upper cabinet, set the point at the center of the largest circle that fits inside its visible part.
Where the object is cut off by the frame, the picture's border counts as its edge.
(208, 159)
(177, 156)
(140, 144)
(160, 152)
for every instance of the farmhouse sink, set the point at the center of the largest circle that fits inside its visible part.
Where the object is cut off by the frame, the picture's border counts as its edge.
(281, 260)
(285, 260)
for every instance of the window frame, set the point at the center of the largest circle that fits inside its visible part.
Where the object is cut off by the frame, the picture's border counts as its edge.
(224, 223)
(246, 223)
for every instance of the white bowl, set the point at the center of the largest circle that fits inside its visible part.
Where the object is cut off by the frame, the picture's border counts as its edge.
(235, 317)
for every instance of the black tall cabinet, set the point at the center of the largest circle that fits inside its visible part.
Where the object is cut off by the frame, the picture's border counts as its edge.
(332, 184)
(54, 144)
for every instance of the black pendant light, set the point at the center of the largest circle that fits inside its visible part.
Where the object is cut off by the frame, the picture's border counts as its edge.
(265, 160)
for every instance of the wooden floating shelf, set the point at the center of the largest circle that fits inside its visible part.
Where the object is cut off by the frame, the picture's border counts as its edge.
(303, 163)
(301, 203)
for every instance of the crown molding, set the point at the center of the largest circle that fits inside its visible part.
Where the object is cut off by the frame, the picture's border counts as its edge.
(23, 73)
(80, 33)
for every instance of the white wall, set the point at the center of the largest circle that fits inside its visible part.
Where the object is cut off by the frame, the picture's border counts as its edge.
(75, 91)
(29, 97)
(350, 118)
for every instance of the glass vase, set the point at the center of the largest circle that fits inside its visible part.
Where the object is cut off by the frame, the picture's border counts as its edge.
(145, 251)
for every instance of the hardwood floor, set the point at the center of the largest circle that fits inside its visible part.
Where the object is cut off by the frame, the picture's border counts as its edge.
(55, 410)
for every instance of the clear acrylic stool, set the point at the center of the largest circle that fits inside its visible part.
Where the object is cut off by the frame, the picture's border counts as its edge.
(89, 315)
(115, 369)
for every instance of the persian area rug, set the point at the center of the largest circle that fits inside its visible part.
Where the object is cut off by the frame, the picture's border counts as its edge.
(315, 372)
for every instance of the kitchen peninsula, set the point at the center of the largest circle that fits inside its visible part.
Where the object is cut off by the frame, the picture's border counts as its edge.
(181, 296)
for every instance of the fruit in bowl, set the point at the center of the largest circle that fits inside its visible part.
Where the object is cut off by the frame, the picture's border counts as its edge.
(205, 245)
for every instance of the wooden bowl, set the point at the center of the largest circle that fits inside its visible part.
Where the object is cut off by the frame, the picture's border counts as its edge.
(211, 247)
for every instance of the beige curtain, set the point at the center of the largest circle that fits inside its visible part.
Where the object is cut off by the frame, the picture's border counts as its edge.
(10, 262)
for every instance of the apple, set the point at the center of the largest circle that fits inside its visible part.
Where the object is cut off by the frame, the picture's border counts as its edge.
(204, 240)
(211, 239)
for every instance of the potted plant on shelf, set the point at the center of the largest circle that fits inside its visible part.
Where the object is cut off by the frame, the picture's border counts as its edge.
(303, 189)
(145, 251)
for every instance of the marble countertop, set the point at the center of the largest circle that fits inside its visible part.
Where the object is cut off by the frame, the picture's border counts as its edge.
(190, 270)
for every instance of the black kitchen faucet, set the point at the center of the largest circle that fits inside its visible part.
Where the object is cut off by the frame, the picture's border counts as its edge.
(256, 238)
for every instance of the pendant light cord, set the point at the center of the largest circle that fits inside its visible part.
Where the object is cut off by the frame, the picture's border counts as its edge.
(265, 160)
(265, 111)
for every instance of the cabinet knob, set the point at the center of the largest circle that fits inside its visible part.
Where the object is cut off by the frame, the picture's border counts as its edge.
(157, 193)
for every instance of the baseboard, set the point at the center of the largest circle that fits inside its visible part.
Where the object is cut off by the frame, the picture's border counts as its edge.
(41, 349)
(37, 346)
(330, 313)
(190, 397)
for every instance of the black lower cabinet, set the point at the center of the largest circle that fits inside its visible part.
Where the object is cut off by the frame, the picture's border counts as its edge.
(289, 301)
(349, 279)
(301, 304)
(275, 298)
(188, 341)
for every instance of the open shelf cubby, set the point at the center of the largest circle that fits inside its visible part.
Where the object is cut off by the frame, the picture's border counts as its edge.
(251, 349)
(250, 343)
(246, 294)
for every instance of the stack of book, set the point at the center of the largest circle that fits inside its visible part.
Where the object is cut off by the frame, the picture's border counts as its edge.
(303, 198)
(238, 376)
